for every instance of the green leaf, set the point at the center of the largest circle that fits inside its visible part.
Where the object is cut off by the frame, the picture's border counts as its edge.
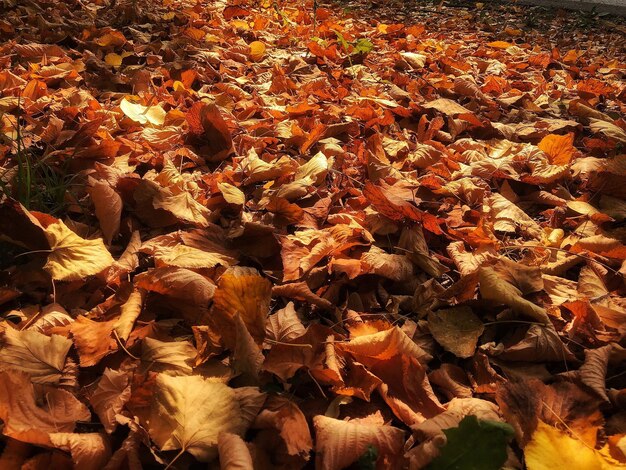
(474, 445)
(363, 46)
(367, 461)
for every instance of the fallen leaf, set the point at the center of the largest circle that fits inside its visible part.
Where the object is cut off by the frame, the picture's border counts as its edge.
(551, 448)
(189, 413)
(152, 114)
(41, 357)
(456, 329)
(73, 258)
(477, 443)
(341, 443)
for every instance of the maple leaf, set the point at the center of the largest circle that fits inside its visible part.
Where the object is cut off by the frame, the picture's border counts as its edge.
(73, 258)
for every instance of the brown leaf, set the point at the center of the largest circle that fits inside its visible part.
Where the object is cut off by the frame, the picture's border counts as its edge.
(93, 340)
(283, 416)
(340, 443)
(244, 291)
(25, 420)
(456, 329)
(206, 122)
(110, 396)
(108, 206)
(88, 450)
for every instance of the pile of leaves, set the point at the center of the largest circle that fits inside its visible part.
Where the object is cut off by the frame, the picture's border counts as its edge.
(249, 235)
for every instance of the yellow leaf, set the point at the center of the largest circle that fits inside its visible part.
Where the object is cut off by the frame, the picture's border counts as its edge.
(494, 287)
(316, 168)
(152, 114)
(232, 194)
(172, 357)
(240, 24)
(257, 51)
(183, 256)
(73, 258)
(113, 59)
(551, 448)
(130, 311)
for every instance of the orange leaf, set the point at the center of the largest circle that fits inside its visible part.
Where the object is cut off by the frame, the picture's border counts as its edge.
(559, 148)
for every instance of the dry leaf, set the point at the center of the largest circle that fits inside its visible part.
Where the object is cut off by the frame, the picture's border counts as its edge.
(25, 420)
(341, 443)
(153, 114)
(110, 396)
(41, 357)
(456, 329)
(189, 413)
(73, 258)
(552, 448)
(233, 452)
(243, 291)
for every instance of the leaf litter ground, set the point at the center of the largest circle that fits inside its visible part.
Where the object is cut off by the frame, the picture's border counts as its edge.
(392, 237)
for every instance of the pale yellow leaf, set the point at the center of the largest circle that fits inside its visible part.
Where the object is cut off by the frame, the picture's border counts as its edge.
(130, 311)
(74, 258)
(233, 452)
(153, 114)
(171, 357)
